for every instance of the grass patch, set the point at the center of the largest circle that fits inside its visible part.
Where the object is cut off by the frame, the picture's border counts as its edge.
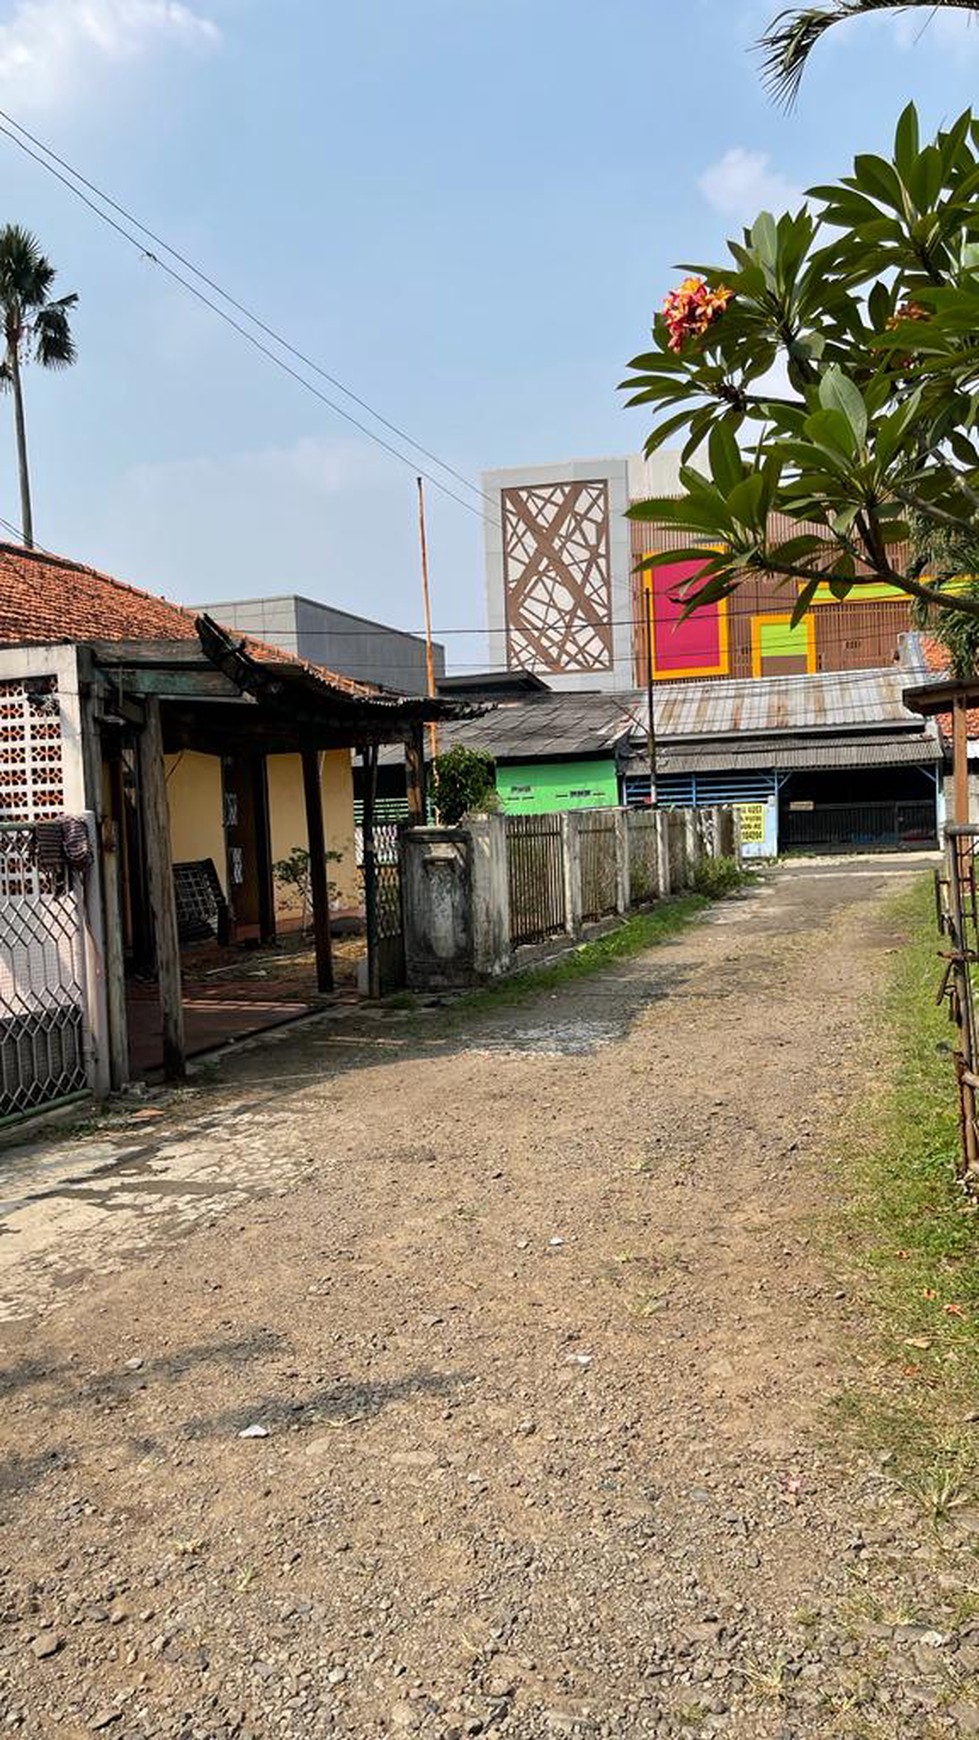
(913, 1235)
(642, 931)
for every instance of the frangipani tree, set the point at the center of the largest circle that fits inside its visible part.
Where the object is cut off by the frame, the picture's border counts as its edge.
(829, 372)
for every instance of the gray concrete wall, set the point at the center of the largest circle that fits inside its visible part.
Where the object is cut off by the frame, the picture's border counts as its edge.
(353, 646)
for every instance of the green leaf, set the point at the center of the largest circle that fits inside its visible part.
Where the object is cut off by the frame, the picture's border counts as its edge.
(726, 463)
(906, 145)
(803, 602)
(837, 393)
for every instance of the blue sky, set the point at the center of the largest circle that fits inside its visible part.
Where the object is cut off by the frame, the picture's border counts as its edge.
(465, 209)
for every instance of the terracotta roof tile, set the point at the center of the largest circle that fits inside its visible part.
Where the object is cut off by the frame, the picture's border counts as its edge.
(47, 599)
(936, 661)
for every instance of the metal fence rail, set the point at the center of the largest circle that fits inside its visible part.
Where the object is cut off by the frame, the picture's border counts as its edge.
(535, 866)
(643, 856)
(599, 863)
(43, 1004)
(872, 824)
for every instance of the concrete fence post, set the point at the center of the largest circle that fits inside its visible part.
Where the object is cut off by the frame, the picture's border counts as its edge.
(693, 844)
(623, 896)
(664, 878)
(490, 895)
(571, 854)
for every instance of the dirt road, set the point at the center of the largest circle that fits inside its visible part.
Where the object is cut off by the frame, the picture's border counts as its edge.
(532, 1317)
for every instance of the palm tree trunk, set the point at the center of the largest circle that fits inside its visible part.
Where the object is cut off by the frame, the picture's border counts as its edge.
(26, 514)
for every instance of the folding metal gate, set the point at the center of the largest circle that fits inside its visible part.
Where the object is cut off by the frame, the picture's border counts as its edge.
(44, 1031)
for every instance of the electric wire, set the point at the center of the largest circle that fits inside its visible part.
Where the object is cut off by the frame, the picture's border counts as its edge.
(249, 314)
(249, 337)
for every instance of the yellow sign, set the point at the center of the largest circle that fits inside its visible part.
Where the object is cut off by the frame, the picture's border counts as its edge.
(752, 824)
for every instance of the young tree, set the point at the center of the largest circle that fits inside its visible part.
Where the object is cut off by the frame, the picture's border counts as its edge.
(865, 435)
(794, 33)
(463, 783)
(33, 326)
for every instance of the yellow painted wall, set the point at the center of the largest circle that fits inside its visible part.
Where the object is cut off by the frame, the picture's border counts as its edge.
(196, 809)
(287, 815)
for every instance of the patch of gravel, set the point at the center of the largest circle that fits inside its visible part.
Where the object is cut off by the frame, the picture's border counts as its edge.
(542, 1352)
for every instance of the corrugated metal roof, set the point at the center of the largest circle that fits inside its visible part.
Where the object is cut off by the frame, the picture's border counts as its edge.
(726, 723)
(847, 750)
(821, 702)
(543, 729)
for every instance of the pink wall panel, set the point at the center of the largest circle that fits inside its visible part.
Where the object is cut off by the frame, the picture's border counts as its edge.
(697, 647)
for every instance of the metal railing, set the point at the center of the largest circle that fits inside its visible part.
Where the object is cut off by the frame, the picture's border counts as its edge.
(535, 867)
(43, 996)
(643, 856)
(871, 824)
(599, 863)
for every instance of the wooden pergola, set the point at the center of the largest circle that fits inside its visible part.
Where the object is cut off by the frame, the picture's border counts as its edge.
(218, 696)
(954, 698)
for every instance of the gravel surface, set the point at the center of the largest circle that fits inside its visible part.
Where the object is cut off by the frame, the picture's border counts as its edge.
(475, 1379)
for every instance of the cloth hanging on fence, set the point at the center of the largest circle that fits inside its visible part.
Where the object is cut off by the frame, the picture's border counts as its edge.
(61, 841)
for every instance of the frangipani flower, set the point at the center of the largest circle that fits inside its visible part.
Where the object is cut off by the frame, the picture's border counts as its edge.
(692, 309)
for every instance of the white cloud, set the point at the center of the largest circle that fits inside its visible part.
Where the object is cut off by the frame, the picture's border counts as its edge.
(51, 48)
(742, 183)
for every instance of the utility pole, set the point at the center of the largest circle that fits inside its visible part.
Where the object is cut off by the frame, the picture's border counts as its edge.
(648, 579)
(429, 658)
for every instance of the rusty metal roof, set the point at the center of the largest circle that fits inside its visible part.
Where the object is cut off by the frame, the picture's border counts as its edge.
(782, 754)
(825, 701)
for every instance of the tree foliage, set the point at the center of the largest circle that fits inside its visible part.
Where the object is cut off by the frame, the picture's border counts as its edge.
(35, 327)
(463, 783)
(796, 31)
(834, 381)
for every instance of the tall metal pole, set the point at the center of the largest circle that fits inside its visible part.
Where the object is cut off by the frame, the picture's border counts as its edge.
(429, 658)
(647, 583)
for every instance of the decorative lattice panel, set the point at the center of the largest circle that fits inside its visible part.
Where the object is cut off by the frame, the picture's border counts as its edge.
(31, 779)
(557, 577)
(42, 981)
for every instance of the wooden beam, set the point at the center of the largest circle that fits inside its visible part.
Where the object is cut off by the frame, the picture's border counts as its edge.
(115, 960)
(960, 758)
(370, 871)
(196, 685)
(263, 850)
(319, 890)
(415, 776)
(155, 816)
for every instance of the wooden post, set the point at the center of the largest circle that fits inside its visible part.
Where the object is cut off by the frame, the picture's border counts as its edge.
(319, 891)
(263, 850)
(960, 759)
(115, 961)
(427, 603)
(155, 814)
(369, 756)
(415, 776)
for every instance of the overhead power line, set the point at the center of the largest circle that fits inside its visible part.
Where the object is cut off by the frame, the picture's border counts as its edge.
(76, 183)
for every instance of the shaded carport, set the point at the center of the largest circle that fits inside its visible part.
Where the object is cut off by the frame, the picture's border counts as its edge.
(217, 696)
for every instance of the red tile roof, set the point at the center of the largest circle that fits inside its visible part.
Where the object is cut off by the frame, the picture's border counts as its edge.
(47, 599)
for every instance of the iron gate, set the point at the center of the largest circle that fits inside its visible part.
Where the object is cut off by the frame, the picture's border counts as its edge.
(535, 867)
(44, 1040)
(599, 863)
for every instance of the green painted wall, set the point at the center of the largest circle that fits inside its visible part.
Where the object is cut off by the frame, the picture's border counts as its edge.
(543, 787)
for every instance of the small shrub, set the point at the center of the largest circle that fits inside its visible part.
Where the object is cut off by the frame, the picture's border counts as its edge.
(292, 874)
(717, 877)
(463, 784)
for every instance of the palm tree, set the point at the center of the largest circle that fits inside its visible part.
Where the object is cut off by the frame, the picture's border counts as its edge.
(33, 326)
(794, 33)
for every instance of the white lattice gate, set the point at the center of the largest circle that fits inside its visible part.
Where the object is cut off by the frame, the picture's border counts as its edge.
(44, 1037)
